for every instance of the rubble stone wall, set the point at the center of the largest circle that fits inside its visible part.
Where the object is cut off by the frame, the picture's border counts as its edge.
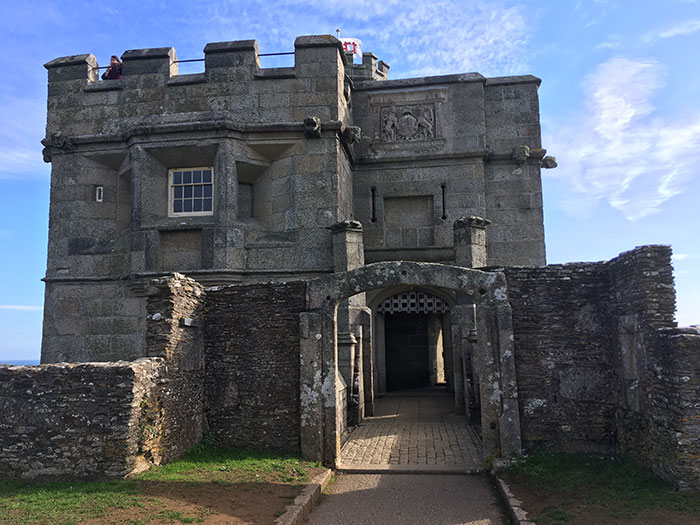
(251, 339)
(175, 411)
(107, 420)
(601, 366)
(658, 408)
(76, 420)
(564, 359)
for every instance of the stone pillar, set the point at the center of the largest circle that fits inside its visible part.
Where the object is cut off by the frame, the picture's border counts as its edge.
(435, 349)
(470, 241)
(347, 345)
(364, 318)
(349, 253)
(311, 402)
(460, 322)
(348, 245)
(509, 422)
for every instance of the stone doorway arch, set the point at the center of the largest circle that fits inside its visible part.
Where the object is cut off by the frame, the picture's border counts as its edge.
(427, 305)
(481, 326)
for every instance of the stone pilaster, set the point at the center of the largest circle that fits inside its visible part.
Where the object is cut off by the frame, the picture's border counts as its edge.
(470, 241)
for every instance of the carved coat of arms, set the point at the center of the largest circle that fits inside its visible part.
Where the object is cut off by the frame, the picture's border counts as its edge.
(407, 123)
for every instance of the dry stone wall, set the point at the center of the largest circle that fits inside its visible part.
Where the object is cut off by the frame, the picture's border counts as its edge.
(252, 350)
(77, 420)
(175, 410)
(601, 366)
(564, 360)
(106, 420)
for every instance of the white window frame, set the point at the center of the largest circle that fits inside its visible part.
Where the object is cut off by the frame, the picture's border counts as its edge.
(171, 192)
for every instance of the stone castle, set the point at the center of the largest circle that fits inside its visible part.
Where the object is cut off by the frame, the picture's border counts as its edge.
(343, 235)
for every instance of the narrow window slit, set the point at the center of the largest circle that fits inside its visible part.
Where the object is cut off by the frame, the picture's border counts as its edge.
(444, 211)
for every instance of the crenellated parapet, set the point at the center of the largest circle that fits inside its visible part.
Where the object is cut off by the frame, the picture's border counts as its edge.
(232, 85)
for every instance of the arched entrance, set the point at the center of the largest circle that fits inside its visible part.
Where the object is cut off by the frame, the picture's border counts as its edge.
(481, 329)
(412, 346)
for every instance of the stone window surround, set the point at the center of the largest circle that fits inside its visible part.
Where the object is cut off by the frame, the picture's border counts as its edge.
(171, 198)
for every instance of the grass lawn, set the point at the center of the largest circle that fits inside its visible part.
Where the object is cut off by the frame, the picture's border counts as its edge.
(210, 484)
(558, 488)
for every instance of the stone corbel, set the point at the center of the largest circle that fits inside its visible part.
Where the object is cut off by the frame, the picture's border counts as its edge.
(520, 154)
(56, 142)
(312, 127)
(351, 135)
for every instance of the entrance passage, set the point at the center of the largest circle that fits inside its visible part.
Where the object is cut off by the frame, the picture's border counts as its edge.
(414, 341)
(413, 431)
(407, 359)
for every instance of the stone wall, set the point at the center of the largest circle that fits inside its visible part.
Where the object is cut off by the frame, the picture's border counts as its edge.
(96, 321)
(175, 410)
(78, 420)
(106, 420)
(601, 366)
(564, 359)
(658, 413)
(665, 432)
(252, 350)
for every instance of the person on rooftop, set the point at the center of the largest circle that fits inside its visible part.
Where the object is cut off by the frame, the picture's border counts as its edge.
(114, 70)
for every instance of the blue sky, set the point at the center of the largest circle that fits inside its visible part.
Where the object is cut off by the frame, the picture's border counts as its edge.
(618, 101)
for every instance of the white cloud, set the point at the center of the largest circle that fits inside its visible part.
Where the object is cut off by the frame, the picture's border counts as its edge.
(618, 150)
(430, 38)
(20, 138)
(21, 307)
(683, 29)
(679, 256)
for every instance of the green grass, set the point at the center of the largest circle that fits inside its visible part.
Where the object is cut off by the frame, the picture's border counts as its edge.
(221, 463)
(615, 483)
(65, 503)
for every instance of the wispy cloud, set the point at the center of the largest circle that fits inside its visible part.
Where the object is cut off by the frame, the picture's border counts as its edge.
(429, 38)
(21, 307)
(679, 256)
(20, 146)
(619, 150)
(683, 29)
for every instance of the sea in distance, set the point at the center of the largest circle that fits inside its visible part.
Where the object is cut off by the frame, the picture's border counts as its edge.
(20, 362)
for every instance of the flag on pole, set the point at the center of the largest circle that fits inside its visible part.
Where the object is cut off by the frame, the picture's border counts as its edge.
(353, 45)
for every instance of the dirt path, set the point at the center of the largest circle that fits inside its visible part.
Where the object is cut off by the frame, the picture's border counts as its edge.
(409, 499)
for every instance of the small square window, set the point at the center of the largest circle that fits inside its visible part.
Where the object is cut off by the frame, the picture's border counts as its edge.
(191, 191)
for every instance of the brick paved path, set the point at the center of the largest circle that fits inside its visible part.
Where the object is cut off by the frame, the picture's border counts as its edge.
(413, 431)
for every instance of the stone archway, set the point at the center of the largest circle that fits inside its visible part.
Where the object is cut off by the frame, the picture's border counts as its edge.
(482, 327)
(423, 307)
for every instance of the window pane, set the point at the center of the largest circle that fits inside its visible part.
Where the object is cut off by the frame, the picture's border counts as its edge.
(192, 190)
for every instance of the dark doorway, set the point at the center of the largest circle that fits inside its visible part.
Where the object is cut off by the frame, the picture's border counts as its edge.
(407, 355)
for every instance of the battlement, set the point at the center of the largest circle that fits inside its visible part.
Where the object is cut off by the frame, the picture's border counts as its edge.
(238, 54)
(233, 83)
